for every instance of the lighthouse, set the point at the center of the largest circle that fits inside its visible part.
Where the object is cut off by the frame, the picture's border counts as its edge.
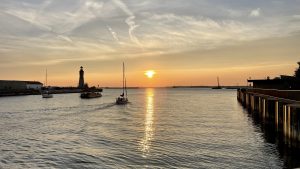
(81, 78)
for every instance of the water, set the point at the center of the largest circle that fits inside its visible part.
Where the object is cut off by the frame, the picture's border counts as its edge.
(160, 128)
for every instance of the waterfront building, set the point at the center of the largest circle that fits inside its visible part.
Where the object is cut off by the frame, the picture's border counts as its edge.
(283, 82)
(20, 85)
(34, 85)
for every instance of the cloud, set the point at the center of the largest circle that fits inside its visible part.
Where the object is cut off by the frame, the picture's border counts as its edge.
(170, 32)
(296, 16)
(132, 27)
(114, 34)
(124, 7)
(94, 5)
(90, 28)
(59, 23)
(255, 13)
(66, 38)
(130, 20)
(234, 13)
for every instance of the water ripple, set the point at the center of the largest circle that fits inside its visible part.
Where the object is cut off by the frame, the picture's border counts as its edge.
(160, 128)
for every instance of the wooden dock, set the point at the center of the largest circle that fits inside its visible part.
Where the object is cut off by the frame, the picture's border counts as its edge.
(279, 108)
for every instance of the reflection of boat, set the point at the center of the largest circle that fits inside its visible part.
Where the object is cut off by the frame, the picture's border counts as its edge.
(122, 99)
(46, 94)
(217, 87)
(90, 95)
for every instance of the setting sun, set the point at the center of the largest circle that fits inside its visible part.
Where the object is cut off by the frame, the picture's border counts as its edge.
(150, 73)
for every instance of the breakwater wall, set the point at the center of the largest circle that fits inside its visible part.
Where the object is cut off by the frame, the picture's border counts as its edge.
(277, 108)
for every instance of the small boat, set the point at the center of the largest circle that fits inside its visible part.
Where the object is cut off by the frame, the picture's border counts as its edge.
(90, 95)
(217, 87)
(122, 99)
(46, 94)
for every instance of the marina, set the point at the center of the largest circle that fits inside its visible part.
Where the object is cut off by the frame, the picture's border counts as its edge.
(113, 84)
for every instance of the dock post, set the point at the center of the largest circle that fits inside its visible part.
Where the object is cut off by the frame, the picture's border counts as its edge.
(244, 98)
(256, 103)
(247, 100)
(286, 121)
(276, 114)
(252, 102)
(271, 110)
(263, 108)
(259, 105)
(294, 122)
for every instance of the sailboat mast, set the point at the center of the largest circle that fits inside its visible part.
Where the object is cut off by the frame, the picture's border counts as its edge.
(46, 77)
(123, 78)
(125, 89)
(218, 81)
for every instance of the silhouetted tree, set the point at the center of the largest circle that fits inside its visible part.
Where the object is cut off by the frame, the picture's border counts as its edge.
(297, 72)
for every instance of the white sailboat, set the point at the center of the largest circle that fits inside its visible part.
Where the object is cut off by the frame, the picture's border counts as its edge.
(46, 94)
(122, 99)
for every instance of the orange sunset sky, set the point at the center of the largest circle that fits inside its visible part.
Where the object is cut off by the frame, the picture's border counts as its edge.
(184, 42)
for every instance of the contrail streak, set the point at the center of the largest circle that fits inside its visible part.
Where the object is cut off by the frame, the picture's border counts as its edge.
(114, 34)
(129, 21)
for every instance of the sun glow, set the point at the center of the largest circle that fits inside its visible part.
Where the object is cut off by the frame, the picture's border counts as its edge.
(150, 73)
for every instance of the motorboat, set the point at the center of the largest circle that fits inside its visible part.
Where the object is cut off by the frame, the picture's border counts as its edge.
(90, 95)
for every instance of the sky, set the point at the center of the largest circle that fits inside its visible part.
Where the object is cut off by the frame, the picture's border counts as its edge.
(187, 42)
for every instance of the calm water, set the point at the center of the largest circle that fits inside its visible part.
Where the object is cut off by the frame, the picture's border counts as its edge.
(160, 128)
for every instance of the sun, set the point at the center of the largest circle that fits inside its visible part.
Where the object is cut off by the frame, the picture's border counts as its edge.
(150, 73)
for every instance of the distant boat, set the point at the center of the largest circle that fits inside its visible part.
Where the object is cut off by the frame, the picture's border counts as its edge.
(217, 87)
(90, 94)
(122, 99)
(46, 94)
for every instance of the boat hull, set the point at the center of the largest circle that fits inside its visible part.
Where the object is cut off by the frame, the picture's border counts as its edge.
(90, 95)
(121, 101)
(47, 96)
(217, 88)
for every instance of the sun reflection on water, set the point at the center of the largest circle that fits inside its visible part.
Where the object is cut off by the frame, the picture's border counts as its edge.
(149, 129)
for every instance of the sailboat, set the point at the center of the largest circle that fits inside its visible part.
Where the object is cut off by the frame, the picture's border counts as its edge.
(122, 99)
(46, 94)
(217, 87)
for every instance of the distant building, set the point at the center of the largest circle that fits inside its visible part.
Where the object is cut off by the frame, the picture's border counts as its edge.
(34, 85)
(281, 83)
(81, 78)
(297, 72)
(19, 85)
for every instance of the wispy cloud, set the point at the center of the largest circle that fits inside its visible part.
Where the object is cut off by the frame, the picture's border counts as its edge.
(255, 13)
(57, 23)
(113, 34)
(66, 38)
(94, 26)
(130, 20)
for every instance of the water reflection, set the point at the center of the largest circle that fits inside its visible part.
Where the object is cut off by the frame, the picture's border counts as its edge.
(149, 129)
(290, 155)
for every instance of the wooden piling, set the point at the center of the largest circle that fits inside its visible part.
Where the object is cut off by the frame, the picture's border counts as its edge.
(277, 108)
